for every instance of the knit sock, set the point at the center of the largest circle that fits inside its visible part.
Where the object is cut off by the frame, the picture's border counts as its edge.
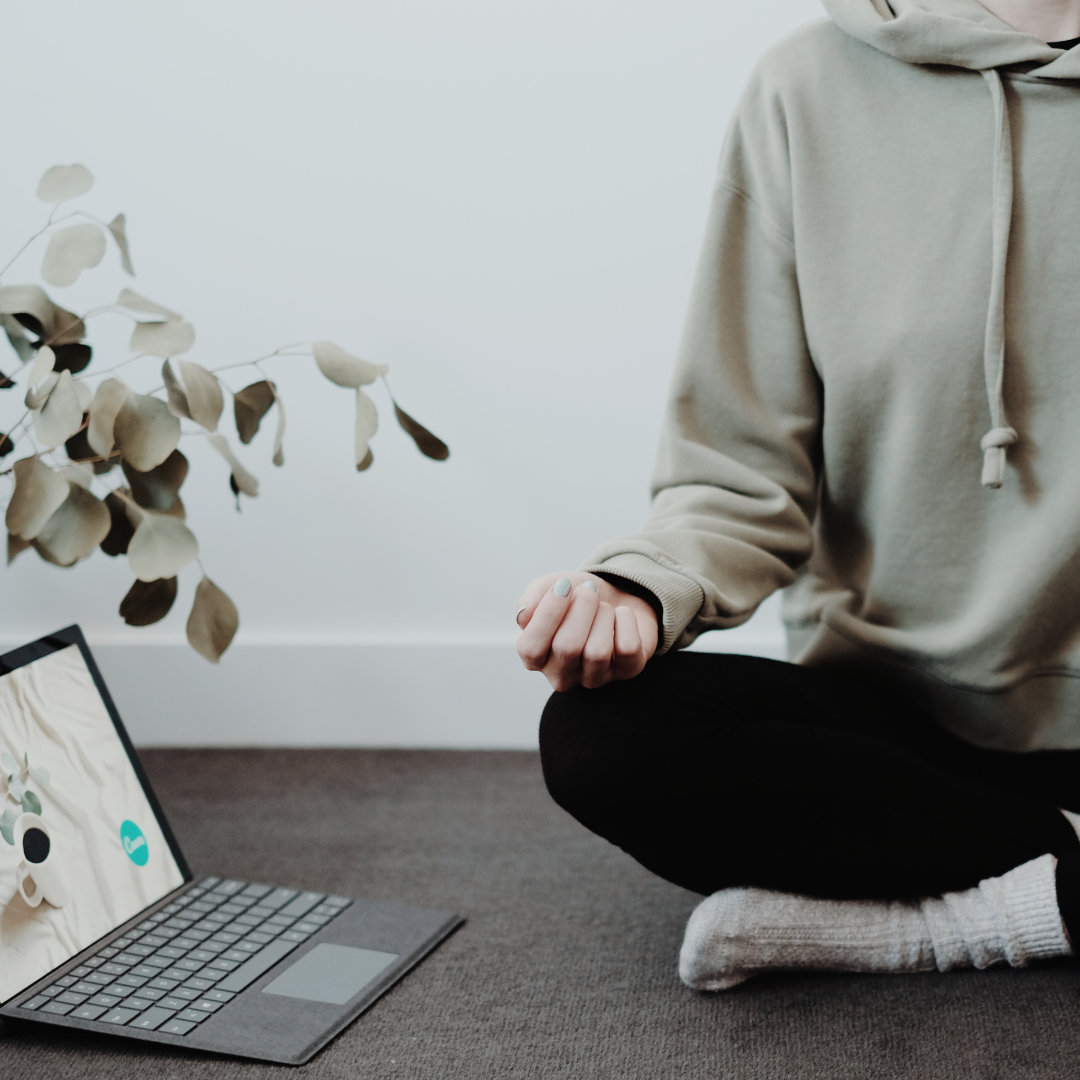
(740, 932)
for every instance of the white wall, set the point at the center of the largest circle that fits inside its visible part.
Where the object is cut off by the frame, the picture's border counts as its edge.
(502, 201)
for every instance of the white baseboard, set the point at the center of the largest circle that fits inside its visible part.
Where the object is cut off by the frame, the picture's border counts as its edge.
(455, 693)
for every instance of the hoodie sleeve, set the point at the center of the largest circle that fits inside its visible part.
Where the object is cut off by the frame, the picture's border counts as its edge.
(735, 482)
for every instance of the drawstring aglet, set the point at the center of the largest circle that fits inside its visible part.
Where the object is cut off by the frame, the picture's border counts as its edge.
(994, 444)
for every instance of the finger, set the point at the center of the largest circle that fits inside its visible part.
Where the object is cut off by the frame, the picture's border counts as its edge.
(532, 596)
(534, 644)
(596, 667)
(627, 660)
(564, 661)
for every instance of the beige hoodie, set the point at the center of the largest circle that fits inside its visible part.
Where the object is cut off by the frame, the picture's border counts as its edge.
(875, 401)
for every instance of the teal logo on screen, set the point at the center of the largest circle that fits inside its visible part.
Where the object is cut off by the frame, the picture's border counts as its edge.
(131, 836)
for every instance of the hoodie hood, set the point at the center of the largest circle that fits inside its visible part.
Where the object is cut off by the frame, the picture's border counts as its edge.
(963, 34)
(958, 33)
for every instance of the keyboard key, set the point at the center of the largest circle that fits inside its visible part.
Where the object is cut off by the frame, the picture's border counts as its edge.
(131, 980)
(202, 906)
(224, 965)
(201, 954)
(248, 947)
(206, 1005)
(176, 1003)
(95, 961)
(227, 888)
(88, 1012)
(306, 927)
(105, 1000)
(68, 998)
(236, 954)
(155, 963)
(249, 971)
(202, 982)
(338, 901)
(52, 991)
(196, 1016)
(153, 1018)
(302, 904)
(260, 937)
(188, 992)
(156, 940)
(177, 1027)
(119, 1016)
(129, 959)
(100, 978)
(257, 890)
(80, 971)
(213, 947)
(163, 984)
(218, 995)
(247, 920)
(146, 971)
(226, 937)
(113, 968)
(184, 942)
(294, 935)
(147, 994)
(56, 1007)
(67, 980)
(278, 898)
(233, 908)
(34, 1002)
(109, 952)
(171, 952)
(85, 987)
(261, 911)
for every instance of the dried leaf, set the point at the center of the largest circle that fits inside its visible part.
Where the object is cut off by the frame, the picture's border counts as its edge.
(121, 528)
(279, 435)
(164, 339)
(6, 382)
(44, 362)
(344, 369)
(146, 432)
(213, 621)
(118, 228)
(34, 310)
(75, 529)
(367, 423)
(36, 397)
(16, 545)
(161, 546)
(158, 489)
(17, 338)
(148, 601)
(106, 404)
(6, 445)
(178, 402)
(71, 251)
(242, 479)
(134, 301)
(61, 415)
(365, 461)
(38, 493)
(250, 405)
(63, 182)
(428, 444)
(83, 393)
(204, 396)
(75, 473)
(73, 358)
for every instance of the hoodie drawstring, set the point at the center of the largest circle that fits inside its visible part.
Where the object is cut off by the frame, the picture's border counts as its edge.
(1000, 436)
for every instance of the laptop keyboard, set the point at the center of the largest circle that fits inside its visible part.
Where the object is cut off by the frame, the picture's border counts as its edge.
(179, 966)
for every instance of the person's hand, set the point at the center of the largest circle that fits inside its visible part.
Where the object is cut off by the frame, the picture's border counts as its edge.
(580, 630)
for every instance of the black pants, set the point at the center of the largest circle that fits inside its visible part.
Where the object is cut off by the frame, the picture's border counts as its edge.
(717, 770)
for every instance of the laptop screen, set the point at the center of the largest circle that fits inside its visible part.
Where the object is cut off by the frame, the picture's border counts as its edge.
(82, 849)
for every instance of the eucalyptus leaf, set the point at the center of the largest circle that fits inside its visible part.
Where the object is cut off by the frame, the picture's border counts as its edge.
(61, 415)
(31, 803)
(163, 339)
(250, 405)
(16, 545)
(213, 621)
(118, 228)
(17, 338)
(37, 396)
(10, 766)
(204, 396)
(428, 444)
(242, 479)
(78, 447)
(63, 182)
(148, 602)
(73, 358)
(78, 526)
(343, 368)
(134, 301)
(162, 546)
(34, 310)
(38, 494)
(146, 432)
(279, 435)
(178, 401)
(7, 830)
(106, 404)
(40, 775)
(75, 472)
(6, 445)
(121, 528)
(366, 461)
(16, 786)
(158, 488)
(71, 251)
(367, 423)
(43, 364)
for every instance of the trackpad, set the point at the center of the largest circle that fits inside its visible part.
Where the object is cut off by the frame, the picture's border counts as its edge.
(330, 973)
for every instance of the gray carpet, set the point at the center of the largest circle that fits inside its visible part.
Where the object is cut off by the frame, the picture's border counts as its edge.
(566, 967)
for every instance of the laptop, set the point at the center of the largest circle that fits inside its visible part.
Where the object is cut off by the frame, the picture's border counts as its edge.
(103, 927)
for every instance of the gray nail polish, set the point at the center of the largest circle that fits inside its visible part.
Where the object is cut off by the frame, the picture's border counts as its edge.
(562, 586)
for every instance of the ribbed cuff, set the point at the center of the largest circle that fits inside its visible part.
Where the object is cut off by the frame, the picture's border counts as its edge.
(1030, 900)
(680, 596)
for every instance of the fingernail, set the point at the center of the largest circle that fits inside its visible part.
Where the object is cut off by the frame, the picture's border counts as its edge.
(562, 586)
(517, 617)
(589, 585)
